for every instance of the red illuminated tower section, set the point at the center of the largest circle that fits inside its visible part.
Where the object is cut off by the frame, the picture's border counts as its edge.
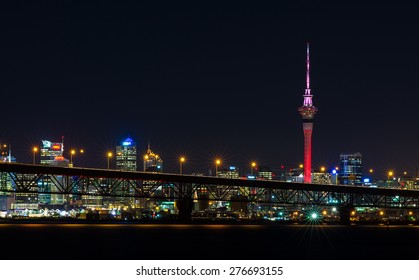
(307, 111)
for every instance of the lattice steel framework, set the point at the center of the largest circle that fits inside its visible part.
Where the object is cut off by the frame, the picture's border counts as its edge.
(113, 183)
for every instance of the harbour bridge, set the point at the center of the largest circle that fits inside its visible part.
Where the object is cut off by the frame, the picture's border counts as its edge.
(184, 189)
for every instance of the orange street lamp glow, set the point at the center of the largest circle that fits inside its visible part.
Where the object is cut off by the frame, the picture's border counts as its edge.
(35, 150)
(390, 173)
(181, 161)
(109, 156)
(252, 165)
(217, 162)
(72, 152)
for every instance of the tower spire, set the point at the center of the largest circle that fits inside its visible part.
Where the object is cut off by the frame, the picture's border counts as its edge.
(308, 70)
(308, 98)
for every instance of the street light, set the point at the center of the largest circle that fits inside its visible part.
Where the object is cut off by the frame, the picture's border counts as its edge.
(217, 163)
(35, 150)
(81, 152)
(109, 157)
(252, 165)
(72, 152)
(334, 171)
(181, 161)
(390, 173)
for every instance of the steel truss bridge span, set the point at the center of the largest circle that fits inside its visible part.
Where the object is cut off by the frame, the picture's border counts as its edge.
(105, 182)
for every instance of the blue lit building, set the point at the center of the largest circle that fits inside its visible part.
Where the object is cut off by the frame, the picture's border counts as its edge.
(350, 169)
(126, 159)
(126, 155)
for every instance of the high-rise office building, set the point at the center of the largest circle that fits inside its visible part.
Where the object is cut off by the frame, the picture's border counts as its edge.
(152, 162)
(321, 177)
(126, 159)
(232, 172)
(6, 182)
(52, 154)
(350, 169)
(126, 155)
(5, 179)
(265, 172)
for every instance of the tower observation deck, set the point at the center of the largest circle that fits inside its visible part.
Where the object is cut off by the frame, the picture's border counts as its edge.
(307, 111)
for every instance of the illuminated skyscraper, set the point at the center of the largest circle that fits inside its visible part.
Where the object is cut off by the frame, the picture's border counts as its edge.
(126, 159)
(232, 172)
(265, 172)
(307, 111)
(351, 169)
(152, 161)
(6, 182)
(52, 154)
(126, 155)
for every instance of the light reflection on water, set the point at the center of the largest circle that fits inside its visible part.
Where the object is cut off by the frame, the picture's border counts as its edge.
(194, 226)
(145, 226)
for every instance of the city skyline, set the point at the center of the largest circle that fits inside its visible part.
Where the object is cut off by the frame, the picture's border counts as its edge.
(204, 81)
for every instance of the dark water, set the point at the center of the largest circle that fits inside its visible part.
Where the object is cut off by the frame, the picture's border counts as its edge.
(212, 242)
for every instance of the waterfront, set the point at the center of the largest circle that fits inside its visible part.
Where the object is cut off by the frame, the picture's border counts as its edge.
(118, 241)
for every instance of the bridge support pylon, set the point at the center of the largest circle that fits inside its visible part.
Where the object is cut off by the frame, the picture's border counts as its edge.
(184, 206)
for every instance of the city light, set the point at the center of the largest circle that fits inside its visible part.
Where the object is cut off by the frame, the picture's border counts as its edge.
(217, 163)
(35, 150)
(390, 174)
(109, 155)
(252, 165)
(181, 162)
(72, 152)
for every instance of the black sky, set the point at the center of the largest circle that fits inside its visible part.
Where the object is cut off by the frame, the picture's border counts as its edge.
(212, 78)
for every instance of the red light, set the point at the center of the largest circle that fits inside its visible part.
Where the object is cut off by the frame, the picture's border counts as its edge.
(282, 166)
(56, 147)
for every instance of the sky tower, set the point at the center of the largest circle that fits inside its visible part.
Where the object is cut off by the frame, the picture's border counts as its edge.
(307, 111)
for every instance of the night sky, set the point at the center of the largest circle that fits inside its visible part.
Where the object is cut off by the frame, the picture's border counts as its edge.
(208, 79)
